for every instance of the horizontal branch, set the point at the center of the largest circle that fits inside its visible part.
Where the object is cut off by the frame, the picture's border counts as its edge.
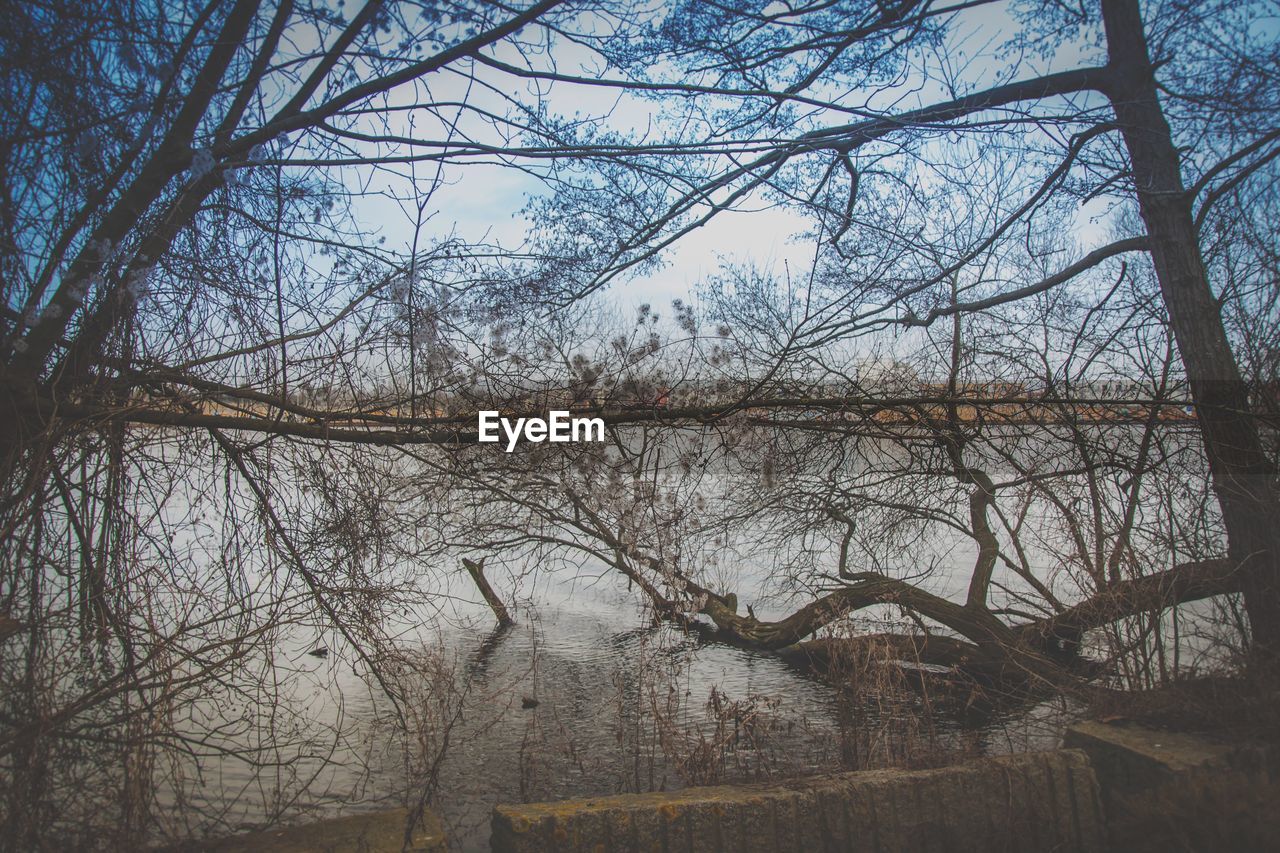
(1153, 592)
(1097, 256)
(45, 412)
(844, 137)
(866, 590)
(355, 427)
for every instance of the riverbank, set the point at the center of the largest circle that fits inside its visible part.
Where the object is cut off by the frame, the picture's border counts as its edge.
(1112, 787)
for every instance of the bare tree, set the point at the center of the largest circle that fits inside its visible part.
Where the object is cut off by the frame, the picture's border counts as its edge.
(847, 112)
(203, 331)
(237, 412)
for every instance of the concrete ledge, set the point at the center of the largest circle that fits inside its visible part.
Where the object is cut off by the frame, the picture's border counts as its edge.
(1030, 802)
(1171, 791)
(376, 832)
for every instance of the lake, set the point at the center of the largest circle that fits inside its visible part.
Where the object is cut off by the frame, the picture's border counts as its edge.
(621, 706)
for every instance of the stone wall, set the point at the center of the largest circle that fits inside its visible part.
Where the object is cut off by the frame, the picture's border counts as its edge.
(1115, 787)
(371, 832)
(1167, 791)
(1030, 802)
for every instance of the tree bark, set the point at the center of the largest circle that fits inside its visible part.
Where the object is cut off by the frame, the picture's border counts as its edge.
(482, 583)
(1145, 594)
(864, 591)
(1046, 649)
(1242, 475)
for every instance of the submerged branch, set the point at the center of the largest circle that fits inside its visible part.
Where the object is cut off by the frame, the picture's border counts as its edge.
(476, 570)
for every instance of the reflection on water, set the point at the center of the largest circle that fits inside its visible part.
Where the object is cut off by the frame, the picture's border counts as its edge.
(606, 700)
(581, 697)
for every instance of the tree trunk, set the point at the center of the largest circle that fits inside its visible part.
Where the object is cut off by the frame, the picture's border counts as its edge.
(1243, 476)
(491, 597)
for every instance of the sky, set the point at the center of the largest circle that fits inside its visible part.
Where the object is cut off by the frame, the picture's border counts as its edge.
(484, 202)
